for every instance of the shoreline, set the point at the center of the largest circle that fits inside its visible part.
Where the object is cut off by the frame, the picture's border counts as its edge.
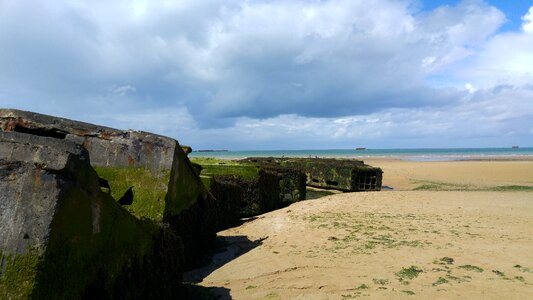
(408, 158)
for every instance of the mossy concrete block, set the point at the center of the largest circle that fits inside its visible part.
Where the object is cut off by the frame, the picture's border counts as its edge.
(120, 153)
(29, 168)
(292, 177)
(250, 187)
(325, 173)
(346, 175)
(247, 196)
(166, 186)
(61, 237)
(107, 146)
(228, 195)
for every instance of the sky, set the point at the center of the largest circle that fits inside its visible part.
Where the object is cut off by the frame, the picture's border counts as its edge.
(273, 74)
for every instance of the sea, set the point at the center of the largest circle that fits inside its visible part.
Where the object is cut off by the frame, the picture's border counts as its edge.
(426, 154)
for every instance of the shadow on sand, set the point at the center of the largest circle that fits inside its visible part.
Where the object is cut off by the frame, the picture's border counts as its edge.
(197, 292)
(228, 249)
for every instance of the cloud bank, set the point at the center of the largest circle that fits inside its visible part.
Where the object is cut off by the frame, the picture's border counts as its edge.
(275, 74)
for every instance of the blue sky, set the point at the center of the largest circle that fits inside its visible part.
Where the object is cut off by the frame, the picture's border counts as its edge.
(278, 74)
(513, 10)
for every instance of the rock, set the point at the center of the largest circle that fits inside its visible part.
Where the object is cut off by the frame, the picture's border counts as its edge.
(61, 237)
(30, 167)
(167, 187)
(346, 175)
(292, 178)
(228, 195)
(242, 189)
(126, 155)
(107, 146)
(186, 149)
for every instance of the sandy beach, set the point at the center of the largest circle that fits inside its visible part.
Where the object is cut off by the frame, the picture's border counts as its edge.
(447, 230)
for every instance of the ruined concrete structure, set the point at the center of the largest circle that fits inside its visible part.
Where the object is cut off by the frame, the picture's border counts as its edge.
(244, 188)
(107, 146)
(167, 186)
(346, 175)
(167, 190)
(241, 190)
(292, 180)
(61, 237)
(257, 185)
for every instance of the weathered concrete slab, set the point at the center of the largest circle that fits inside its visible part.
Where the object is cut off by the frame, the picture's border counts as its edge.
(292, 177)
(339, 174)
(107, 146)
(240, 189)
(126, 156)
(166, 186)
(61, 237)
(29, 168)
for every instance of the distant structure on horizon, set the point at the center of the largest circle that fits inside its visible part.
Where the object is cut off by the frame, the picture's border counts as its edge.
(211, 151)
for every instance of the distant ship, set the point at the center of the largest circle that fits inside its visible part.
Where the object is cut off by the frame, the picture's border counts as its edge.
(209, 150)
(515, 147)
(360, 148)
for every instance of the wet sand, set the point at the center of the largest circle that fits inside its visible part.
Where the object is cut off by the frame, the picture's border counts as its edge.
(471, 242)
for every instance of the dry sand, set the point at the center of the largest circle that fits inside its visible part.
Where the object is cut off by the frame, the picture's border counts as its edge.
(388, 245)
(406, 175)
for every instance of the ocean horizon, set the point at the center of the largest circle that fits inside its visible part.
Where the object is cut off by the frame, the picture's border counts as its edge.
(416, 154)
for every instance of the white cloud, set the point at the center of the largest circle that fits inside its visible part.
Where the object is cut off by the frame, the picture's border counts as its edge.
(470, 88)
(527, 26)
(505, 59)
(314, 70)
(498, 117)
(122, 90)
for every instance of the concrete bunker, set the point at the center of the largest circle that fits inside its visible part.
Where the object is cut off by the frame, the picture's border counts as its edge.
(166, 185)
(61, 237)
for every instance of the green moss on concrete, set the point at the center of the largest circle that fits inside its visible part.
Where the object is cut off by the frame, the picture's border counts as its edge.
(185, 186)
(156, 195)
(17, 278)
(207, 181)
(213, 161)
(220, 167)
(92, 241)
(339, 174)
(91, 237)
(244, 172)
(245, 187)
(149, 190)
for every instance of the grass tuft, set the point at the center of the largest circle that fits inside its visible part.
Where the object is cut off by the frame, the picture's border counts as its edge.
(408, 273)
(380, 281)
(440, 281)
(447, 260)
(512, 188)
(471, 268)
